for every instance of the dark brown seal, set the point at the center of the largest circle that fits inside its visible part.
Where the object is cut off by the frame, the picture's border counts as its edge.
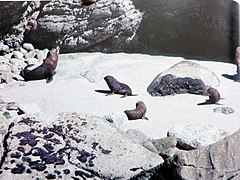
(138, 113)
(88, 2)
(237, 60)
(117, 87)
(46, 70)
(214, 95)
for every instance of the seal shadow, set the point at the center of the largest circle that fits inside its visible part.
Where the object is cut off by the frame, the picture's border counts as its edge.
(231, 77)
(103, 91)
(207, 102)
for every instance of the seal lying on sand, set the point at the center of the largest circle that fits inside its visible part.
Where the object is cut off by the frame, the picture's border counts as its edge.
(237, 77)
(138, 113)
(117, 87)
(46, 70)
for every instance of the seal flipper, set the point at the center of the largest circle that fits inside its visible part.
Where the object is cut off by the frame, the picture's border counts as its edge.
(48, 80)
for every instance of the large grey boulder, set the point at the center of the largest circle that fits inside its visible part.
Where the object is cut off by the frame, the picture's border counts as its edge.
(74, 26)
(74, 146)
(185, 69)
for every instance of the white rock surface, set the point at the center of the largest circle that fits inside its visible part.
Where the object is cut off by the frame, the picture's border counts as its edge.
(196, 136)
(119, 120)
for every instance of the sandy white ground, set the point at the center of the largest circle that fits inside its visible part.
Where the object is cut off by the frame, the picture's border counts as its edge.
(70, 91)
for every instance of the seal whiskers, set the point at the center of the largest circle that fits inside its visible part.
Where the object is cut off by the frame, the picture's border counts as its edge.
(138, 113)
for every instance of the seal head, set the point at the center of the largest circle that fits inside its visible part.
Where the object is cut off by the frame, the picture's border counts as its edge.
(138, 113)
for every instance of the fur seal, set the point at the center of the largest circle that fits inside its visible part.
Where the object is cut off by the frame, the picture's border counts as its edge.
(214, 95)
(88, 2)
(46, 70)
(237, 60)
(117, 87)
(138, 113)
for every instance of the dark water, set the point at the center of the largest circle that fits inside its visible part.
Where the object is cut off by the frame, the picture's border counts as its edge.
(200, 29)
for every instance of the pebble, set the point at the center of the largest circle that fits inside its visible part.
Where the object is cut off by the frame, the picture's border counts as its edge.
(28, 46)
(31, 60)
(24, 51)
(15, 61)
(224, 110)
(5, 68)
(17, 54)
(31, 54)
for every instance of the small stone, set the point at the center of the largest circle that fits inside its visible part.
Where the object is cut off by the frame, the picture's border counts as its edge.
(6, 77)
(12, 106)
(224, 110)
(31, 61)
(15, 61)
(149, 145)
(17, 54)
(28, 46)
(4, 60)
(42, 54)
(31, 54)
(4, 68)
(22, 50)
(8, 56)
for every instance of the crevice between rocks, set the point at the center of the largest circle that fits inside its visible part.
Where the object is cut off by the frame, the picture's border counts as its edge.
(5, 145)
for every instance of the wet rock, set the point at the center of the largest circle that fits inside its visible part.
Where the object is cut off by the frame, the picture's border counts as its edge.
(196, 136)
(17, 54)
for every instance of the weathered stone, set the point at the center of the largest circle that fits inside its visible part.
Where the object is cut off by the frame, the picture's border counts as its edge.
(163, 144)
(185, 69)
(31, 61)
(28, 46)
(5, 68)
(42, 54)
(224, 110)
(217, 161)
(74, 26)
(6, 77)
(17, 54)
(15, 61)
(119, 120)
(137, 136)
(31, 54)
(22, 50)
(74, 146)
(17, 18)
(196, 136)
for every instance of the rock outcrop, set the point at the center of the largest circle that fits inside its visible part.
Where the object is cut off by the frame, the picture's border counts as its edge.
(217, 161)
(74, 26)
(17, 18)
(74, 146)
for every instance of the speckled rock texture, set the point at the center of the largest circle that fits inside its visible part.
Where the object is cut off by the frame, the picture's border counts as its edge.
(16, 19)
(183, 77)
(75, 146)
(74, 26)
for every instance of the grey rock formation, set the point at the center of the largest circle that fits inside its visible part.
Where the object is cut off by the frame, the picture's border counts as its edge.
(74, 26)
(217, 161)
(186, 69)
(196, 136)
(16, 19)
(74, 146)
